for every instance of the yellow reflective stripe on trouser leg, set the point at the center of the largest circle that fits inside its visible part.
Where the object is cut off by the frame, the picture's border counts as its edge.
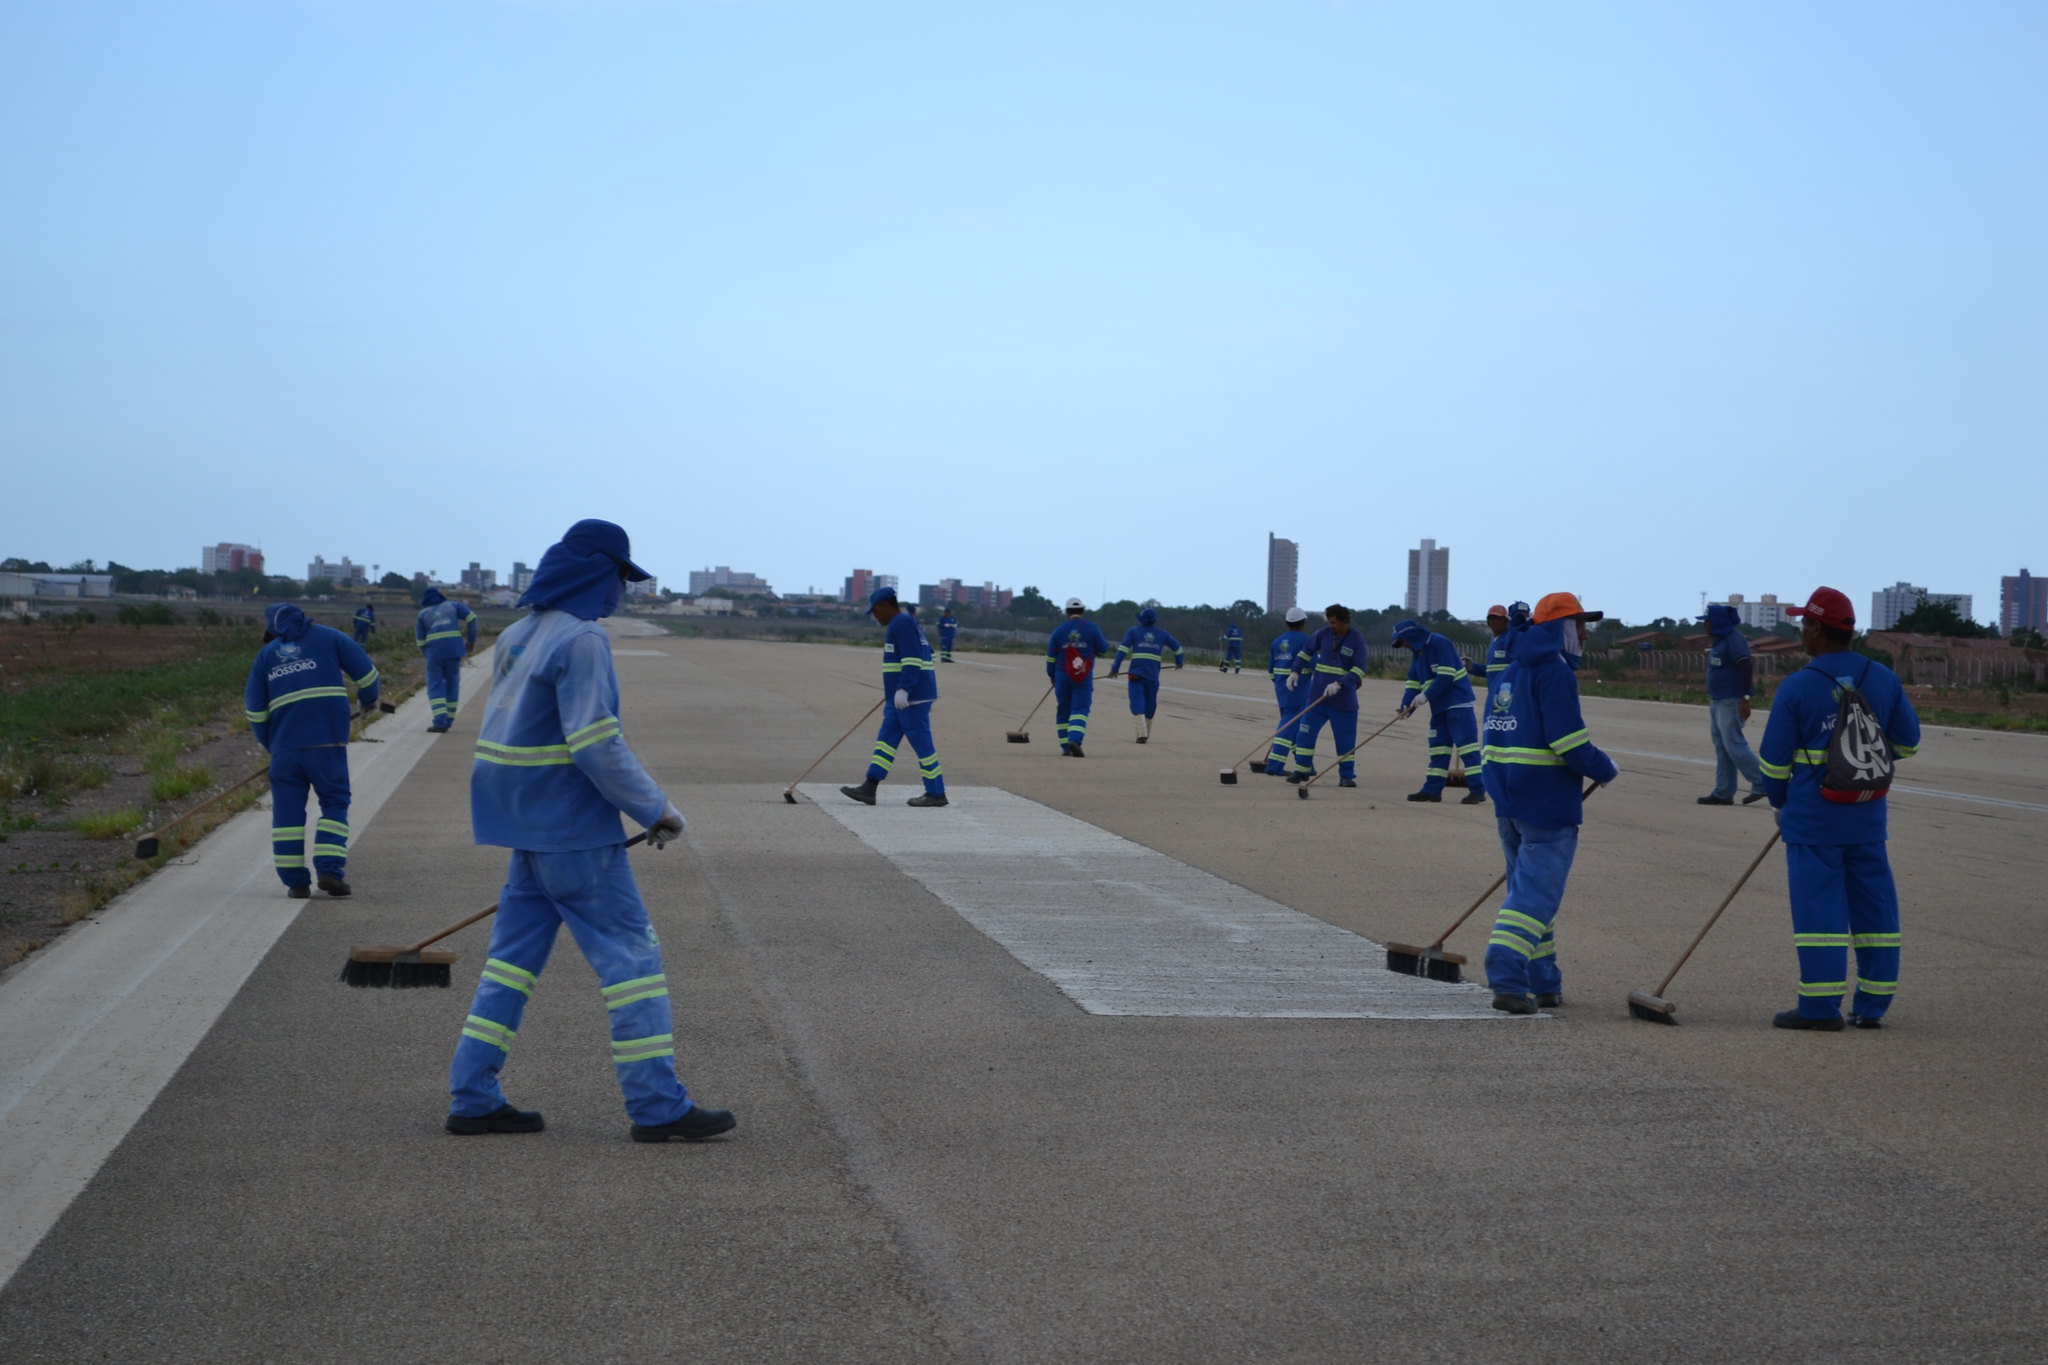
(626, 1050)
(485, 1031)
(505, 974)
(639, 988)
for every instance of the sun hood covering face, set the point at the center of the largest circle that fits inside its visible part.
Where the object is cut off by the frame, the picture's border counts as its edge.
(285, 621)
(585, 584)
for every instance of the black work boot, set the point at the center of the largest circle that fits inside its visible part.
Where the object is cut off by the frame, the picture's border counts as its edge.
(334, 886)
(864, 793)
(1297, 777)
(929, 799)
(1549, 1000)
(696, 1125)
(1475, 797)
(1347, 781)
(1794, 1019)
(299, 893)
(1514, 1004)
(506, 1120)
(1425, 796)
(1711, 800)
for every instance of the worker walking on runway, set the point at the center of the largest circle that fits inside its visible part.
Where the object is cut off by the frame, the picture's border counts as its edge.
(1144, 647)
(1836, 726)
(910, 688)
(366, 623)
(552, 776)
(949, 630)
(297, 703)
(1731, 673)
(1537, 751)
(446, 632)
(1233, 650)
(1070, 654)
(1437, 675)
(1333, 665)
(1280, 657)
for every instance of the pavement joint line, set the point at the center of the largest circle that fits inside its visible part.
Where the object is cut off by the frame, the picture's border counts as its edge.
(1121, 929)
(93, 1027)
(1936, 792)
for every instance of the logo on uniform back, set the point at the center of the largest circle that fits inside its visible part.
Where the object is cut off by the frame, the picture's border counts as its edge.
(1503, 697)
(287, 650)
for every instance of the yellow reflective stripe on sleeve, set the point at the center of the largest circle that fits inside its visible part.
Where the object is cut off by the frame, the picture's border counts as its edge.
(1905, 750)
(1775, 770)
(367, 678)
(257, 717)
(593, 734)
(1814, 758)
(1566, 743)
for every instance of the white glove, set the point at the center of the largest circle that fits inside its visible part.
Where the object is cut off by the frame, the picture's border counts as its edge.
(669, 827)
(1333, 689)
(1293, 681)
(902, 699)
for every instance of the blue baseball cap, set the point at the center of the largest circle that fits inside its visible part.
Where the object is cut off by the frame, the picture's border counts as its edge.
(877, 597)
(593, 537)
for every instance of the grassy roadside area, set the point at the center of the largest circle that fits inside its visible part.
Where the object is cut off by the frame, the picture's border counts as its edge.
(107, 733)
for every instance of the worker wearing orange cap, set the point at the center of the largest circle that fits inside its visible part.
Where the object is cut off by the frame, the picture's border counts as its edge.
(1537, 751)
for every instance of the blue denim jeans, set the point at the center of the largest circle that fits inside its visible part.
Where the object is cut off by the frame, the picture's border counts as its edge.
(1521, 955)
(1731, 750)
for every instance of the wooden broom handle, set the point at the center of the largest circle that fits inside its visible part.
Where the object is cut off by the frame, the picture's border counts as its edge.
(1591, 787)
(491, 910)
(1754, 864)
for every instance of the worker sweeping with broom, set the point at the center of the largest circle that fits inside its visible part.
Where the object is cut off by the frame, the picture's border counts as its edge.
(445, 632)
(1537, 750)
(551, 778)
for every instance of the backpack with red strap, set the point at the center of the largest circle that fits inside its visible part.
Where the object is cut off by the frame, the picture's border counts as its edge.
(1078, 663)
(1860, 755)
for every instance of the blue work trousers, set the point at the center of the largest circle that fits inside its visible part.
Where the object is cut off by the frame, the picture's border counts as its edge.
(1071, 701)
(1732, 753)
(1843, 896)
(324, 772)
(915, 725)
(1453, 728)
(444, 688)
(1521, 955)
(362, 634)
(1144, 694)
(946, 646)
(593, 892)
(1291, 705)
(1343, 734)
(1233, 656)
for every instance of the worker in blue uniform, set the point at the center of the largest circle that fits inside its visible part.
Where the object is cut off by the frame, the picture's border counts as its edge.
(1537, 752)
(1233, 650)
(1143, 649)
(949, 630)
(1837, 867)
(910, 688)
(1498, 623)
(366, 623)
(1326, 675)
(1437, 675)
(1280, 665)
(1731, 675)
(297, 703)
(445, 632)
(551, 777)
(1070, 654)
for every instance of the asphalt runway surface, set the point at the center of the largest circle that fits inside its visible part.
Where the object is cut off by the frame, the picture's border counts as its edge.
(1098, 1063)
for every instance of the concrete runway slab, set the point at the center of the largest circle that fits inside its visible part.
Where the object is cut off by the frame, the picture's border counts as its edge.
(941, 1157)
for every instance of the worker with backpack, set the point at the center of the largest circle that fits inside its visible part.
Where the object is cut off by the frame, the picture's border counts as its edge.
(1836, 728)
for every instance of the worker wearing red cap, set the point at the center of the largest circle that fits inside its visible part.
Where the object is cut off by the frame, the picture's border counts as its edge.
(1828, 791)
(1537, 751)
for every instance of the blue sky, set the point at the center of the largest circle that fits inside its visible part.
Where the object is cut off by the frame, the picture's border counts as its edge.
(1636, 300)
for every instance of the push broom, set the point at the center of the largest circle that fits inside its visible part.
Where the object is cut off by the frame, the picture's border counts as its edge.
(1302, 790)
(1228, 776)
(418, 966)
(1653, 1006)
(1022, 734)
(149, 844)
(789, 792)
(1432, 961)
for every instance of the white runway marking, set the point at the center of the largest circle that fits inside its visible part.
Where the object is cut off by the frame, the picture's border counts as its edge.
(639, 653)
(1897, 786)
(1121, 929)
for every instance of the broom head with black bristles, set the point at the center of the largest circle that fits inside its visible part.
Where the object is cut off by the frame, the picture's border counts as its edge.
(1228, 777)
(397, 969)
(1018, 736)
(1432, 962)
(1654, 1009)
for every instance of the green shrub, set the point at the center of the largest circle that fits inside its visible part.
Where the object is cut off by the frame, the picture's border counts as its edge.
(111, 824)
(177, 782)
